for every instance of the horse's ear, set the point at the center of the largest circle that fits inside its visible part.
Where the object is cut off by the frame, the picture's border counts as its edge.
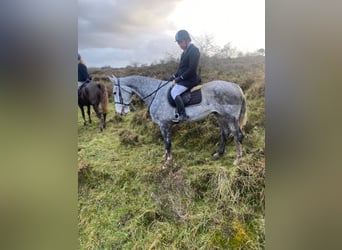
(113, 78)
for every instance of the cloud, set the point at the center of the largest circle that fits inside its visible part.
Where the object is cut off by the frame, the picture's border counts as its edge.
(119, 32)
(148, 51)
(121, 23)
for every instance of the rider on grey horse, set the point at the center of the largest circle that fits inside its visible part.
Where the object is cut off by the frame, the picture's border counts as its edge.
(186, 76)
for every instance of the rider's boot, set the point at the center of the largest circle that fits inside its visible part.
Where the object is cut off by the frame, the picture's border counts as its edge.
(181, 115)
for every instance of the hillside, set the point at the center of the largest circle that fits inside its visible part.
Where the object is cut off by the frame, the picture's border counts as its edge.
(127, 201)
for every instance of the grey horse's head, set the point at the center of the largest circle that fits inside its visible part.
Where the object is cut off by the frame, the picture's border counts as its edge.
(122, 96)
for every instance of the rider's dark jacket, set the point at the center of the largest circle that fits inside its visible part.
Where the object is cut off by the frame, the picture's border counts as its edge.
(187, 70)
(83, 75)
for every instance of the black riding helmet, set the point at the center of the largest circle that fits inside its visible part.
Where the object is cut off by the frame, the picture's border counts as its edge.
(182, 35)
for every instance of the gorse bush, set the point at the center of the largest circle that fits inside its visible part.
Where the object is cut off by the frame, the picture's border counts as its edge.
(127, 201)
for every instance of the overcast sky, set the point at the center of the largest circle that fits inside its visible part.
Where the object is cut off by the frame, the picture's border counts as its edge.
(118, 33)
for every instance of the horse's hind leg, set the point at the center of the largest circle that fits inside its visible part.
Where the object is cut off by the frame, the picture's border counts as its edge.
(224, 135)
(98, 114)
(238, 137)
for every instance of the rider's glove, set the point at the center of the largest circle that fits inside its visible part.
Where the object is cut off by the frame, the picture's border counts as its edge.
(171, 78)
(178, 79)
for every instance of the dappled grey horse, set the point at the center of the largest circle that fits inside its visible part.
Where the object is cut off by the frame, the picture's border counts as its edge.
(225, 99)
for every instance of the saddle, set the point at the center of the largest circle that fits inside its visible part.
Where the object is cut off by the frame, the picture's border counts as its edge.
(84, 84)
(190, 97)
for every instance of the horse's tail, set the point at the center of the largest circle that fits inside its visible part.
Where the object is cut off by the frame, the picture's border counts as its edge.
(104, 97)
(243, 112)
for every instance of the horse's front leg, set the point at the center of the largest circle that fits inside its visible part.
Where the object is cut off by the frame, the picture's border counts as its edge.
(82, 111)
(98, 114)
(166, 133)
(104, 120)
(88, 112)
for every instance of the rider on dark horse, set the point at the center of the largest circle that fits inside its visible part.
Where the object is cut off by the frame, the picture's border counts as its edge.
(186, 76)
(83, 76)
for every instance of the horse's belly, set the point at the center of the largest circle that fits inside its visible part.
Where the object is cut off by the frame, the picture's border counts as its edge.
(197, 114)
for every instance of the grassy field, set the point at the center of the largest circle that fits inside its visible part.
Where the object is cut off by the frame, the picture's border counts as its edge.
(126, 199)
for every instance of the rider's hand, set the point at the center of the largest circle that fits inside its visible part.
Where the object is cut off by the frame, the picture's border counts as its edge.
(171, 78)
(177, 79)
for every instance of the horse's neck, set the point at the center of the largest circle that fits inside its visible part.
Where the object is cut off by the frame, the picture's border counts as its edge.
(143, 86)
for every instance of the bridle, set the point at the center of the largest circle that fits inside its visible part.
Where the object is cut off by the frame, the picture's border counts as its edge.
(121, 102)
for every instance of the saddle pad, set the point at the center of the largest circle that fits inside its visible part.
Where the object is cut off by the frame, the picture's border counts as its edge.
(189, 97)
(83, 85)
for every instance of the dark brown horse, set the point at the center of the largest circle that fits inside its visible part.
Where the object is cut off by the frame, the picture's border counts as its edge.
(94, 94)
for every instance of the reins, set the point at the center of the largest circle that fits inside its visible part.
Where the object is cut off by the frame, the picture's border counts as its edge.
(155, 91)
(159, 87)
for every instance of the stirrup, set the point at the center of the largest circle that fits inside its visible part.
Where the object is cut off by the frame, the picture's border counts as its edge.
(176, 119)
(180, 118)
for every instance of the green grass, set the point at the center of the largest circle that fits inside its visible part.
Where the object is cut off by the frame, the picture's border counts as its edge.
(127, 201)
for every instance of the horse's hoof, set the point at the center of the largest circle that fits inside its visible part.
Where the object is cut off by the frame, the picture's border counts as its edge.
(236, 162)
(167, 157)
(167, 164)
(216, 156)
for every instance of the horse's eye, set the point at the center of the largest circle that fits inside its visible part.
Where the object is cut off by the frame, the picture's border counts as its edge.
(114, 93)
